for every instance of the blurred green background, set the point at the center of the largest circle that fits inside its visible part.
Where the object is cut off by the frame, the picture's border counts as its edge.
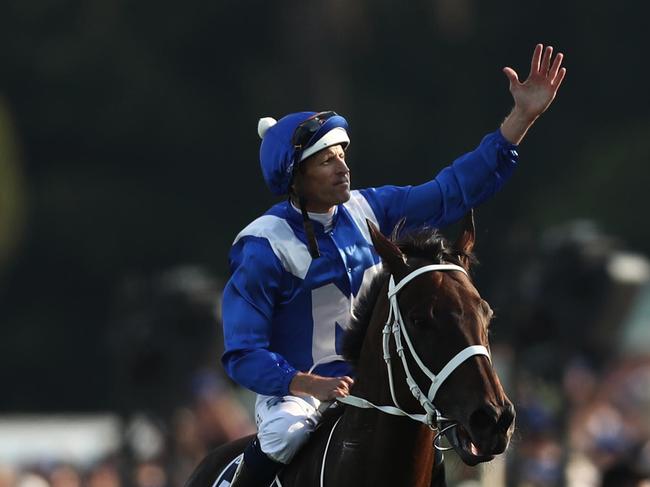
(128, 141)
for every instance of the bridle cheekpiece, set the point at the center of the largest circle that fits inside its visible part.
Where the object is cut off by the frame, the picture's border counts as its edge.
(395, 326)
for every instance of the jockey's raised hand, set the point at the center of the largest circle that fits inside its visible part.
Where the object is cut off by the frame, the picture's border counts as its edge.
(322, 388)
(534, 95)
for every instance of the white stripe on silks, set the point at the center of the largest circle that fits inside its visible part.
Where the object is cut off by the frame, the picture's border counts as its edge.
(360, 210)
(330, 307)
(293, 254)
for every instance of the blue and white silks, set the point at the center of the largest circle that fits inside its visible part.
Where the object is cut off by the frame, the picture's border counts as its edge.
(283, 310)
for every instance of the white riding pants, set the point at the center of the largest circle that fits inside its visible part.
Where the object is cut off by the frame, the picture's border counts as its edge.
(285, 423)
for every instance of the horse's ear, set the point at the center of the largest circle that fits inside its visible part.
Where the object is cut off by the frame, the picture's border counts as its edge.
(394, 236)
(465, 243)
(390, 253)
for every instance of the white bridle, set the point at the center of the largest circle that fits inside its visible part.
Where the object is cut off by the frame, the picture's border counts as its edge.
(395, 326)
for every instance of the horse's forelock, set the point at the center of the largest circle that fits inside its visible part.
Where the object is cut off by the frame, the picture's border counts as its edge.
(427, 243)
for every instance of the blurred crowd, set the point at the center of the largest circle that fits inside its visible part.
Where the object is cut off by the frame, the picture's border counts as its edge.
(592, 429)
(172, 400)
(153, 452)
(580, 337)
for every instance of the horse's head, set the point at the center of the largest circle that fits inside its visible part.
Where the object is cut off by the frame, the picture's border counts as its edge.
(443, 314)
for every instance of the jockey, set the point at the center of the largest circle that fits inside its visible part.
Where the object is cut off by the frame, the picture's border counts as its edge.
(296, 269)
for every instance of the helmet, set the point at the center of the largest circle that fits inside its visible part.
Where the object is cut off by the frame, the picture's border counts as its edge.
(292, 139)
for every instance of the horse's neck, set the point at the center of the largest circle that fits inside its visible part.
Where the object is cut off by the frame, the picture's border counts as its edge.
(398, 448)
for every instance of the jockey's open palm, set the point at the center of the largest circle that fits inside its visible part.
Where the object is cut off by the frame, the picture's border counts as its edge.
(534, 95)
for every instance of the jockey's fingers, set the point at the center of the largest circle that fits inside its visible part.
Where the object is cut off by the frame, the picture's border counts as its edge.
(347, 380)
(340, 392)
(344, 386)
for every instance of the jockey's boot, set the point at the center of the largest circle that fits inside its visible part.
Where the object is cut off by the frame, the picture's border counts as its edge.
(256, 469)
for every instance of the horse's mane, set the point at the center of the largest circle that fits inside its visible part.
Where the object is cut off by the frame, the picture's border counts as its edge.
(424, 243)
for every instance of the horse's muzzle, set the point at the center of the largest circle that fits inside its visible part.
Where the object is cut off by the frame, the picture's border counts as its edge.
(491, 427)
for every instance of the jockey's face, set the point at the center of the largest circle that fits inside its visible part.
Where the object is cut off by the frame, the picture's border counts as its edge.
(324, 179)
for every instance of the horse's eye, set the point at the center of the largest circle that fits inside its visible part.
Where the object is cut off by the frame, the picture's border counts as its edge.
(422, 318)
(418, 320)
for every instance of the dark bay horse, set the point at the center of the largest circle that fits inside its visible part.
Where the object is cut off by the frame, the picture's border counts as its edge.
(436, 321)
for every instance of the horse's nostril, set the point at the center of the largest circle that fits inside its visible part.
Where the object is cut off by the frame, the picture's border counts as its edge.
(483, 419)
(488, 419)
(507, 417)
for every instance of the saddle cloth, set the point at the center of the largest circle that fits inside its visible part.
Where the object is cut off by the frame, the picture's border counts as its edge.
(225, 476)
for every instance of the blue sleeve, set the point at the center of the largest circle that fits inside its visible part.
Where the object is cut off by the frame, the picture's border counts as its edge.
(466, 183)
(249, 299)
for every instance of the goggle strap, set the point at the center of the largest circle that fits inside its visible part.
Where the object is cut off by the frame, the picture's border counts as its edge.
(312, 243)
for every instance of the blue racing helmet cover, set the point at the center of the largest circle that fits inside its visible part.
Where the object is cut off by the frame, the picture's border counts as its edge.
(278, 156)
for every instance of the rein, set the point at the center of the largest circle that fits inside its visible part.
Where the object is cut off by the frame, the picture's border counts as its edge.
(395, 326)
